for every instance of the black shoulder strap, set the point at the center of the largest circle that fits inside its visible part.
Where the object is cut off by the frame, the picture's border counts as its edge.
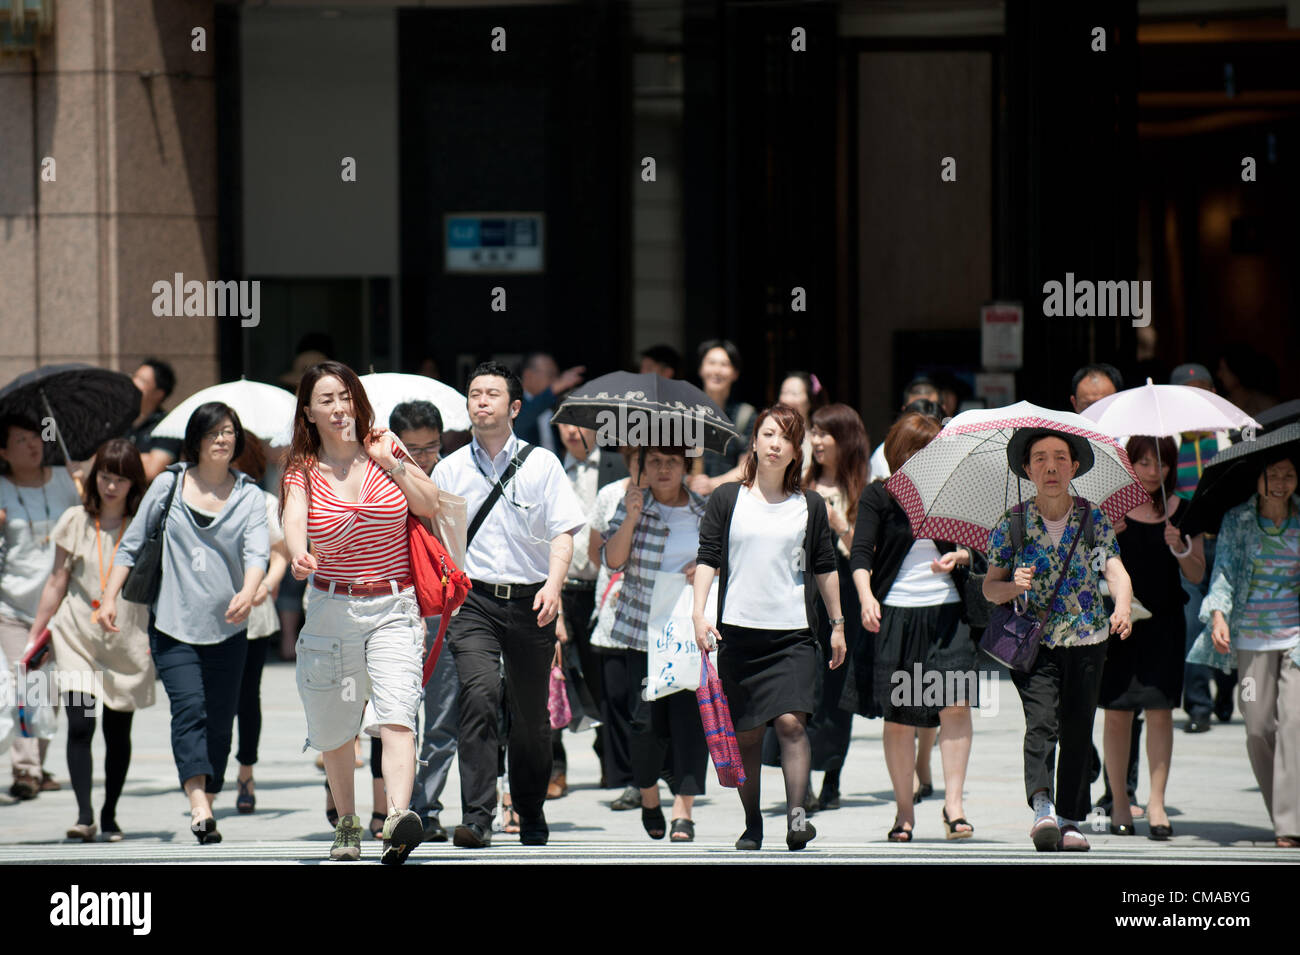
(171, 495)
(481, 514)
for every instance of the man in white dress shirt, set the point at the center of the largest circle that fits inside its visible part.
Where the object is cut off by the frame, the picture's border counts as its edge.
(518, 553)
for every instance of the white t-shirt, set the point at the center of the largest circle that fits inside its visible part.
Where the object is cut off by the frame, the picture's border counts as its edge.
(917, 585)
(30, 516)
(765, 563)
(683, 543)
(607, 501)
(878, 467)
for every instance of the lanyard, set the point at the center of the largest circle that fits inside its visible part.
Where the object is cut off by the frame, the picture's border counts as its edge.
(99, 552)
(514, 459)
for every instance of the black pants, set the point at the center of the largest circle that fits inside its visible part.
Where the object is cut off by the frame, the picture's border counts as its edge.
(80, 710)
(577, 606)
(202, 683)
(486, 631)
(250, 702)
(667, 736)
(1060, 700)
(621, 687)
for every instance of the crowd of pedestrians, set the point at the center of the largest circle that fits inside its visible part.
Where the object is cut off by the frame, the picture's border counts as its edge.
(180, 561)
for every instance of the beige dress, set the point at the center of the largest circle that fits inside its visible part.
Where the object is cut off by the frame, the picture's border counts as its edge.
(116, 667)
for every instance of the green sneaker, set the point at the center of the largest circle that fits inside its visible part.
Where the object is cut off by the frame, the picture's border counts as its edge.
(403, 831)
(347, 840)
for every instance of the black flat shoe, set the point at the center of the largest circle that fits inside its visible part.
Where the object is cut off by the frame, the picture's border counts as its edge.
(1122, 829)
(206, 831)
(433, 830)
(750, 841)
(656, 826)
(829, 800)
(1161, 833)
(925, 792)
(533, 832)
(472, 836)
(1197, 726)
(796, 839)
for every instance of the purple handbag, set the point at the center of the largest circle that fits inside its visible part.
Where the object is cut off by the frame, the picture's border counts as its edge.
(1013, 636)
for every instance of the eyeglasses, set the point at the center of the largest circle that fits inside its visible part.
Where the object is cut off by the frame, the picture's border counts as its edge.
(226, 433)
(427, 449)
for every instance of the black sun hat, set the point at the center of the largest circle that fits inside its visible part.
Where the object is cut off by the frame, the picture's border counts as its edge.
(1024, 437)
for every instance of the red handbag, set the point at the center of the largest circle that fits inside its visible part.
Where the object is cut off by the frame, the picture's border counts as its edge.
(440, 586)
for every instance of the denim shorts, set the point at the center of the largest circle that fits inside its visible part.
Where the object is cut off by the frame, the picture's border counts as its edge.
(357, 649)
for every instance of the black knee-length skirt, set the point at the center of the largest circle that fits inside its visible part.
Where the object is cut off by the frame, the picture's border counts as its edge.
(766, 673)
(923, 663)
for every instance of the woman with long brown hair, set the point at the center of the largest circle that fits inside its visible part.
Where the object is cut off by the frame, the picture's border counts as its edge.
(94, 669)
(772, 548)
(910, 592)
(346, 486)
(838, 472)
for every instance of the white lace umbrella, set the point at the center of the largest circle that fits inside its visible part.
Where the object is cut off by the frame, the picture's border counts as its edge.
(958, 487)
(387, 390)
(264, 410)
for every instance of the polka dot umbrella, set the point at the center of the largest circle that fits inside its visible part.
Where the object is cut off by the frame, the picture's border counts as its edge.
(958, 487)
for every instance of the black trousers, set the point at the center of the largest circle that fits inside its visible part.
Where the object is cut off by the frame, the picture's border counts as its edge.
(667, 737)
(485, 632)
(202, 683)
(250, 702)
(621, 688)
(1060, 700)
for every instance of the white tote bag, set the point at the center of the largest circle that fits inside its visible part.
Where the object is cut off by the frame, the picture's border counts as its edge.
(8, 705)
(674, 657)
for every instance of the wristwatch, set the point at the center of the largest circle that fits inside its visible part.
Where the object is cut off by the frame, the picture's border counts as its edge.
(396, 469)
(838, 621)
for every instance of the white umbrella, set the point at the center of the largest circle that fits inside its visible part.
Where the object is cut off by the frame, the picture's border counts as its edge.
(387, 390)
(958, 486)
(1165, 411)
(264, 410)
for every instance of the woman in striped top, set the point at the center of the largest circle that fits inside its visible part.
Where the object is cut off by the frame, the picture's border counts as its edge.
(363, 636)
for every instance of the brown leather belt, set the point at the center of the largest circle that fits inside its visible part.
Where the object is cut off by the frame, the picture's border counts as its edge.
(376, 589)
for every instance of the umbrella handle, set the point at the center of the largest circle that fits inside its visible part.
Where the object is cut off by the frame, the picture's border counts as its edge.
(1188, 541)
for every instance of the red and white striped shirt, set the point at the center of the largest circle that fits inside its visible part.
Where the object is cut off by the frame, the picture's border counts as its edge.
(358, 542)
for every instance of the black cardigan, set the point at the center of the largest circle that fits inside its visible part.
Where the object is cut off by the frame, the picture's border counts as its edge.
(715, 543)
(882, 537)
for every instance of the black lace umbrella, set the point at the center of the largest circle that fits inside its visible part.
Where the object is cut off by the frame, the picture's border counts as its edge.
(82, 406)
(1232, 475)
(647, 411)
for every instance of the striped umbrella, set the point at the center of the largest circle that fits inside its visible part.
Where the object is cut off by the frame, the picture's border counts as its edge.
(958, 487)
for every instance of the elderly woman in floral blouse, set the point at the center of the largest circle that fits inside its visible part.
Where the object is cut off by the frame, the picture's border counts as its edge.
(1252, 612)
(1059, 694)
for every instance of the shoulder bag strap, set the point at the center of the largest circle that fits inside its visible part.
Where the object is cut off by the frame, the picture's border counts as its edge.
(1060, 578)
(481, 514)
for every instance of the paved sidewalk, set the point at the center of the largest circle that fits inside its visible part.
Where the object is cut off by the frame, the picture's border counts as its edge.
(1215, 806)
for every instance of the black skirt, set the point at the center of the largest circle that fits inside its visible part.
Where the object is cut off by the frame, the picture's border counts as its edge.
(922, 665)
(1145, 672)
(766, 673)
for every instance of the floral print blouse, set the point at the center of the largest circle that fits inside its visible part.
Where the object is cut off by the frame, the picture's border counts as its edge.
(1078, 617)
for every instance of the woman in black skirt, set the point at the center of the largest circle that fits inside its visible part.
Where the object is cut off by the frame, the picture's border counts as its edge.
(1145, 672)
(925, 673)
(773, 550)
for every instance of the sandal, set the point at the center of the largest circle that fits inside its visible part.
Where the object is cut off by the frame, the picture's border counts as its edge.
(951, 830)
(509, 819)
(654, 822)
(1046, 834)
(925, 791)
(899, 833)
(683, 831)
(1072, 840)
(377, 825)
(1288, 842)
(245, 801)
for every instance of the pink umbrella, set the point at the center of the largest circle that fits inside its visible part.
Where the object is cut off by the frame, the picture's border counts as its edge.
(958, 487)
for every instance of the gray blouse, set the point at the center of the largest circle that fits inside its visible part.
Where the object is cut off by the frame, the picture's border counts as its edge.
(202, 567)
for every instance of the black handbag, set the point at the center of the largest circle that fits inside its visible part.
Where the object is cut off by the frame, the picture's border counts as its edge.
(145, 579)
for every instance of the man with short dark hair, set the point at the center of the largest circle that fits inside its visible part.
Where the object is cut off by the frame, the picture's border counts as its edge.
(522, 517)
(418, 425)
(156, 380)
(542, 383)
(661, 360)
(918, 389)
(1093, 382)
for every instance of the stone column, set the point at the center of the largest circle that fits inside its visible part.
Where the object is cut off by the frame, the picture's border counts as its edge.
(125, 107)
